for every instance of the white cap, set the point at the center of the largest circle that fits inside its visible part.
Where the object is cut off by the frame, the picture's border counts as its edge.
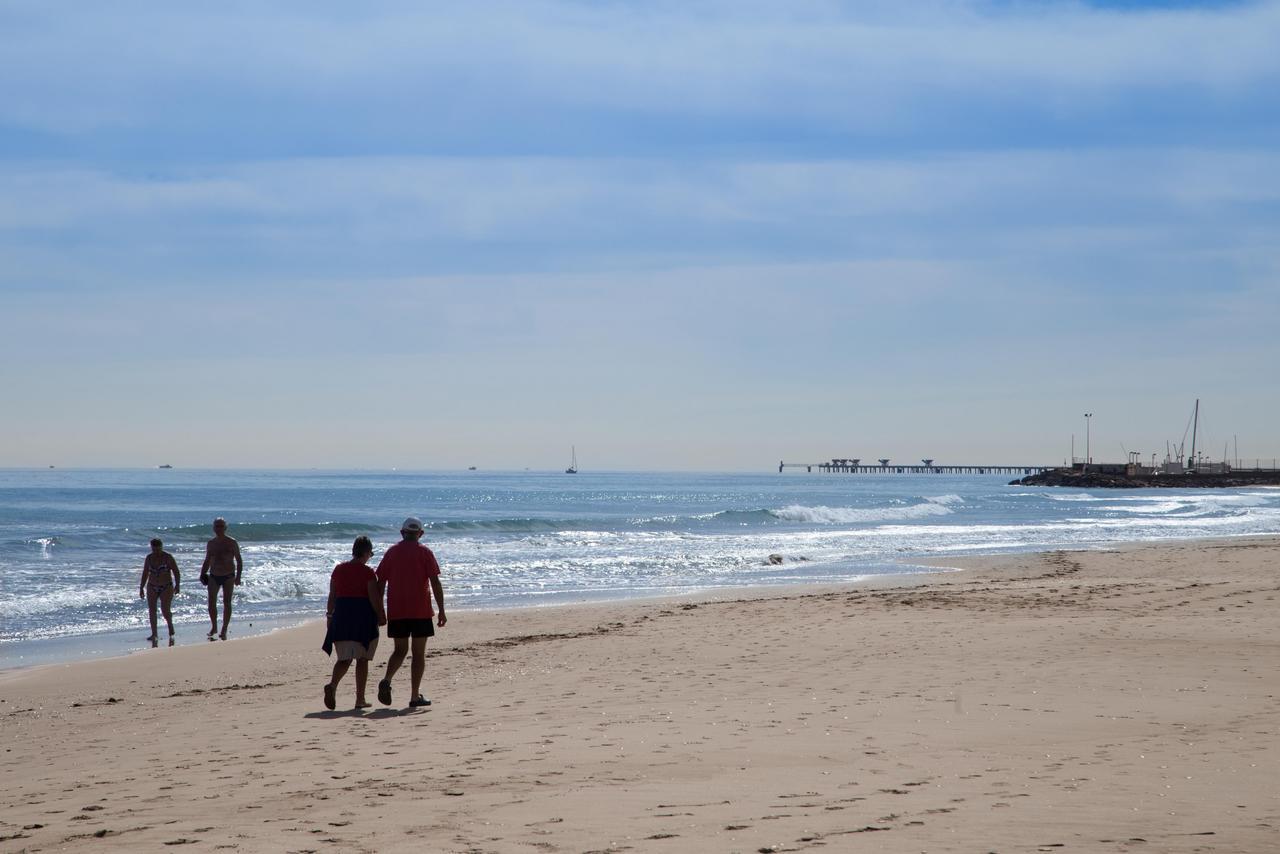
(413, 525)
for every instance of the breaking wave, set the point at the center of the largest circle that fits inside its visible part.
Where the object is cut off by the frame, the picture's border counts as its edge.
(822, 515)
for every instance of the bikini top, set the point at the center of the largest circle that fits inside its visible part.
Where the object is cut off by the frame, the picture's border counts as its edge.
(158, 565)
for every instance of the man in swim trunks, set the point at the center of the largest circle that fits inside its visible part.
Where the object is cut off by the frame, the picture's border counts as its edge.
(159, 583)
(221, 572)
(404, 573)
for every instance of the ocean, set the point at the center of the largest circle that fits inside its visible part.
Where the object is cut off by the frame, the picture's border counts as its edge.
(72, 542)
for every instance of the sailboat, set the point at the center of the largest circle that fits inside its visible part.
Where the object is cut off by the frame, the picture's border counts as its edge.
(573, 466)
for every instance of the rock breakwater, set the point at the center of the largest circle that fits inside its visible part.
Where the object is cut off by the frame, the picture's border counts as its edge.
(1099, 480)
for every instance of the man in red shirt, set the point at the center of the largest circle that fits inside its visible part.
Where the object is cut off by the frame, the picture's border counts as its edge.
(405, 572)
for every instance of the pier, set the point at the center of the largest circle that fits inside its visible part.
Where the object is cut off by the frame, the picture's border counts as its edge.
(886, 466)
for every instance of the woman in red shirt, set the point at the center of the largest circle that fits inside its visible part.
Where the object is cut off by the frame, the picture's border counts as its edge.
(353, 616)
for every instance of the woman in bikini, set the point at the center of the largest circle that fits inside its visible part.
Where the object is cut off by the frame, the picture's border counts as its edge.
(159, 583)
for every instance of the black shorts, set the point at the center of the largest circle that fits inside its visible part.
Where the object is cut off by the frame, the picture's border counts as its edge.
(417, 628)
(216, 581)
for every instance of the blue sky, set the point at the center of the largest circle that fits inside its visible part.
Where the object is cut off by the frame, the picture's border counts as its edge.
(678, 235)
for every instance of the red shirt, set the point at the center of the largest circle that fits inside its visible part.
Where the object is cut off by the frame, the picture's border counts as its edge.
(406, 568)
(351, 579)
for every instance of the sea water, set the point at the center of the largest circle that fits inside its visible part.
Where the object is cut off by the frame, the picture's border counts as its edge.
(72, 542)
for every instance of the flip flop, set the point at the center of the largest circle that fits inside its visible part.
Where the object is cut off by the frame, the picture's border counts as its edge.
(419, 701)
(330, 702)
(384, 692)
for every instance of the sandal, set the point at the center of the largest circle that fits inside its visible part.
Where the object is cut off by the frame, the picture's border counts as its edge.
(384, 692)
(330, 702)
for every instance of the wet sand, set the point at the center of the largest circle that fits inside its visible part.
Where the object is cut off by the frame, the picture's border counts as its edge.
(1124, 700)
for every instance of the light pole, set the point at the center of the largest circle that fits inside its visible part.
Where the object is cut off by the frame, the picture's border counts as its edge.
(1088, 417)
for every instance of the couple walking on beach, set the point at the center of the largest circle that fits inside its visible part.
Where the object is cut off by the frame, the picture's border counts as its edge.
(221, 571)
(409, 576)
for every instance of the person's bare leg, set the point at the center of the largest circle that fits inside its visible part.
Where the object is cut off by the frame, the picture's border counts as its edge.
(393, 664)
(339, 670)
(166, 606)
(362, 677)
(151, 607)
(213, 608)
(397, 657)
(417, 666)
(331, 689)
(227, 591)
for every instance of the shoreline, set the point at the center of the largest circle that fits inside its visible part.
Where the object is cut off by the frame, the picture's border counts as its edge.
(122, 643)
(81, 649)
(1099, 699)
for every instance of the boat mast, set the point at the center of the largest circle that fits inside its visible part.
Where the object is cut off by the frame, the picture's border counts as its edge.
(1195, 424)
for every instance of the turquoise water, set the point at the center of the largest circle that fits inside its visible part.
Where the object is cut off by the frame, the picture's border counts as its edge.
(72, 541)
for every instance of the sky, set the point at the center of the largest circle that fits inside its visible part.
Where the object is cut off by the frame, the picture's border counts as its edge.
(679, 236)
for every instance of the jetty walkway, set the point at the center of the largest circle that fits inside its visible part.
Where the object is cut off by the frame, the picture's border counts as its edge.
(856, 466)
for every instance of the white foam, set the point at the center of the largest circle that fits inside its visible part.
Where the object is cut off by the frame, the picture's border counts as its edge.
(852, 515)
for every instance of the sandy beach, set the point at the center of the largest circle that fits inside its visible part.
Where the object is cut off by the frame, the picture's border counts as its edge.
(1121, 700)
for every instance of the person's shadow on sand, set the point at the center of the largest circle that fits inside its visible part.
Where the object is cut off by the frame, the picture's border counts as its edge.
(377, 714)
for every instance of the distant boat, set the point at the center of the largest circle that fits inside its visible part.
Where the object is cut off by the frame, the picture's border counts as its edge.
(471, 468)
(573, 466)
(165, 466)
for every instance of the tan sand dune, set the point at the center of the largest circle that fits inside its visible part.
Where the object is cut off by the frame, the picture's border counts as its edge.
(1084, 701)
